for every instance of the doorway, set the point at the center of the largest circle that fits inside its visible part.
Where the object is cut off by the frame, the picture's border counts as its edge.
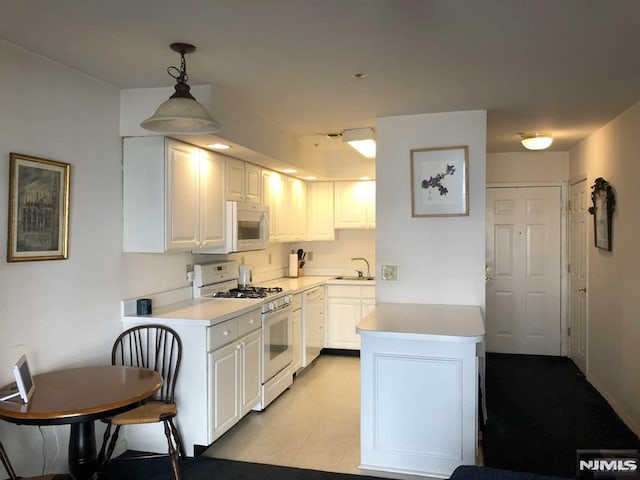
(524, 269)
(578, 242)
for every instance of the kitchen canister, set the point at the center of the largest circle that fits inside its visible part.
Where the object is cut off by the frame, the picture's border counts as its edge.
(143, 306)
(293, 264)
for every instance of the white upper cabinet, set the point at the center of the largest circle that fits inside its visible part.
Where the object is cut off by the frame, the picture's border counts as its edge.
(297, 206)
(355, 204)
(172, 196)
(243, 181)
(320, 211)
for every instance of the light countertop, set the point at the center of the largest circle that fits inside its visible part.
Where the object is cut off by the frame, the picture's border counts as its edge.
(410, 321)
(211, 311)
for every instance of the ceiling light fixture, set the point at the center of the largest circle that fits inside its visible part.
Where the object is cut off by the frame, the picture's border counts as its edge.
(363, 140)
(219, 146)
(536, 141)
(181, 113)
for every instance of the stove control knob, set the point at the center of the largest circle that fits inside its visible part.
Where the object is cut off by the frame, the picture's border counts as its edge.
(287, 299)
(271, 306)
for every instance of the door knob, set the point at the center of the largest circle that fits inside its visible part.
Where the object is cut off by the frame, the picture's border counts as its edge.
(583, 289)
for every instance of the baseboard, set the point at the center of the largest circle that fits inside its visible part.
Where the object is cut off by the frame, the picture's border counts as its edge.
(629, 422)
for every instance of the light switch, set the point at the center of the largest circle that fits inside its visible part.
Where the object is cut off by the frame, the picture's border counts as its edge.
(389, 272)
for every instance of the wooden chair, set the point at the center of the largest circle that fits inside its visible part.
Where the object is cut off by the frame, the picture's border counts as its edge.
(12, 474)
(158, 348)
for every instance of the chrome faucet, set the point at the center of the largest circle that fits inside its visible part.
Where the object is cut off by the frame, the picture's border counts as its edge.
(365, 261)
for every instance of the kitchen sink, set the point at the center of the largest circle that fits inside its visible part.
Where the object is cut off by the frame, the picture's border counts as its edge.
(354, 277)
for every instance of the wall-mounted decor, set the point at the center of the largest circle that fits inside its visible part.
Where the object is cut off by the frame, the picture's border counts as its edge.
(38, 209)
(604, 202)
(439, 182)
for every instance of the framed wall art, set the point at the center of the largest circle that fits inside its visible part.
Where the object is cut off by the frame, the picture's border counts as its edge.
(440, 181)
(38, 209)
(604, 202)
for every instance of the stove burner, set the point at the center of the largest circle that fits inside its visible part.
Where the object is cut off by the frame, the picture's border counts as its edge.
(248, 292)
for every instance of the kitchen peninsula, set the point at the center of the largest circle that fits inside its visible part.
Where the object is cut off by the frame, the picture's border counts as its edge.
(419, 387)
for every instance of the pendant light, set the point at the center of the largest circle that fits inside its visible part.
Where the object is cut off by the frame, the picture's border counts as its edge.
(182, 113)
(536, 141)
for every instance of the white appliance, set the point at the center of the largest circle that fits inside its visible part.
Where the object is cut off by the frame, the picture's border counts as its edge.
(313, 325)
(220, 280)
(246, 228)
(277, 348)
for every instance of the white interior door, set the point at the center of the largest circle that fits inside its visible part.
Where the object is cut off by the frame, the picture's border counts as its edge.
(524, 245)
(578, 241)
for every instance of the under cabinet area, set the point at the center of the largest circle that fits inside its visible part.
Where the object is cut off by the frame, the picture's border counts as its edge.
(346, 306)
(172, 196)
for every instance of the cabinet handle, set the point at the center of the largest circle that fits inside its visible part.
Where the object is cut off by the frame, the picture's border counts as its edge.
(238, 347)
(225, 333)
(252, 321)
(582, 289)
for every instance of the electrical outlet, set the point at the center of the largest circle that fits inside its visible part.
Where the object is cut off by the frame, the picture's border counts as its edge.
(189, 268)
(269, 259)
(389, 272)
(310, 256)
(241, 260)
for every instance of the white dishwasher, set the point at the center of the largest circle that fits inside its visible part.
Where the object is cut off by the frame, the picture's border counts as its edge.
(312, 324)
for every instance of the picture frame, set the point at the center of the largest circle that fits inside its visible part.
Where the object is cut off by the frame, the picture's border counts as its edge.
(440, 181)
(604, 203)
(38, 209)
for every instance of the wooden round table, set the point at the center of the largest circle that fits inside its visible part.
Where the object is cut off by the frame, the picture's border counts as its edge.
(78, 396)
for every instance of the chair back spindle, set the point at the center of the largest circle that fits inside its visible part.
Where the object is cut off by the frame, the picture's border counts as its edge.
(155, 347)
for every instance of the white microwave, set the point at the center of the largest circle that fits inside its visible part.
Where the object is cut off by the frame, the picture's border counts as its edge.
(246, 228)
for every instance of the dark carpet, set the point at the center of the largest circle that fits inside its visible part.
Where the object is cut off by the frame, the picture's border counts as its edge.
(540, 411)
(205, 468)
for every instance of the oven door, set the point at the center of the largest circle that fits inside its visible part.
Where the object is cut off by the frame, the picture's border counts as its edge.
(277, 335)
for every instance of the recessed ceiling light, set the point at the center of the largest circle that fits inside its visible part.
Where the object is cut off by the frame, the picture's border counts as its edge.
(219, 146)
(359, 75)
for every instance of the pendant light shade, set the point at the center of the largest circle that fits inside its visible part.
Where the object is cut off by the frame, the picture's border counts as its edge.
(536, 141)
(181, 114)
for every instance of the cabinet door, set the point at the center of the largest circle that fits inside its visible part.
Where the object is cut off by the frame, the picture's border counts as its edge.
(350, 205)
(252, 183)
(274, 191)
(342, 316)
(183, 196)
(234, 179)
(212, 207)
(250, 376)
(320, 211)
(224, 390)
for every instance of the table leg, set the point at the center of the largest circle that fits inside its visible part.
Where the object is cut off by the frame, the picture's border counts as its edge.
(83, 459)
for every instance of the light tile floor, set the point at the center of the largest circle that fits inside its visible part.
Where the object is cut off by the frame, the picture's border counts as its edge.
(315, 424)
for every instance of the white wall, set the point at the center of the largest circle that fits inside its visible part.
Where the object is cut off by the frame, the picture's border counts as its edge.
(67, 312)
(440, 260)
(528, 167)
(614, 303)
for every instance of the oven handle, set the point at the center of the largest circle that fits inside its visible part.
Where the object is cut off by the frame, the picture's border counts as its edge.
(264, 227)
(279, 309)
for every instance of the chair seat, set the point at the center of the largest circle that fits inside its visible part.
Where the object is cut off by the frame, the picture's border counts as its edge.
(150, 412)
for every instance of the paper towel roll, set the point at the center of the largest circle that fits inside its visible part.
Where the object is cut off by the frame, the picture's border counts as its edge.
(293, 264)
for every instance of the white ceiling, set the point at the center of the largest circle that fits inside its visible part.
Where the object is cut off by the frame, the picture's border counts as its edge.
(564, 66)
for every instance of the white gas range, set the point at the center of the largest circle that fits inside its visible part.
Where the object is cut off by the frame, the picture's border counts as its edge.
(220, 280)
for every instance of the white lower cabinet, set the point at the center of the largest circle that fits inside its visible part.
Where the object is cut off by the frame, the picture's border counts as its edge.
(234, 373)
(346, 306)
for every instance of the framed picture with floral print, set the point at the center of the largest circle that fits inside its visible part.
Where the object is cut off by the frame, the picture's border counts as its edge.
(440, 182)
